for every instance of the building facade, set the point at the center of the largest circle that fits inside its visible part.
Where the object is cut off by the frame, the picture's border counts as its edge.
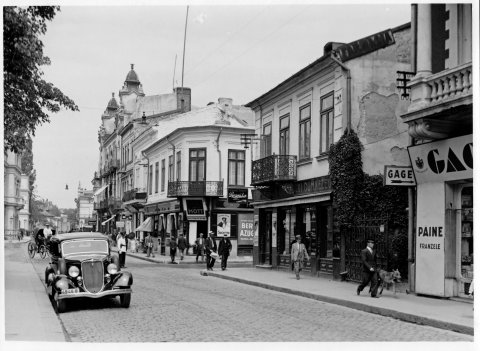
(86, 220)
(440, 120)
(14, 196)
(125, 124)
(351, 87)
(197, 176)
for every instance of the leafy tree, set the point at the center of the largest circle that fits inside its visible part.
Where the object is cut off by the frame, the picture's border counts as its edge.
(28, 98)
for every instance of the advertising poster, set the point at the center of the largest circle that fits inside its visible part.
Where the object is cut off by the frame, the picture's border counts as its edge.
(245, 229)
(223, 225)
(255, 230)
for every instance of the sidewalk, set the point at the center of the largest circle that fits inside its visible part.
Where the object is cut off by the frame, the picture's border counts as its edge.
(439, 313)
(446, 314)
(29, 315)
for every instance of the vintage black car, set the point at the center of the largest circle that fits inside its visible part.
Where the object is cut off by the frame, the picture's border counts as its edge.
(81, 266)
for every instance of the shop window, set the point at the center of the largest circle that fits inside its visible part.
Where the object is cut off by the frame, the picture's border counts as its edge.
(467, 233)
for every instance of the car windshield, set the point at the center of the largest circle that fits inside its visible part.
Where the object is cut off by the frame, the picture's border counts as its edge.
(85, 246)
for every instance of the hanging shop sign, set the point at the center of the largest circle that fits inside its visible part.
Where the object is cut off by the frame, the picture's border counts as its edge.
(120, 224)
(237, 194)
(245, 229)
(195, 209)
(398, 176)
(223, 226)
(444, 160)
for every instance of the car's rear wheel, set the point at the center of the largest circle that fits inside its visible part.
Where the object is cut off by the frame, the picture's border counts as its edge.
(125, 300)
(31, 250)
(60, 305)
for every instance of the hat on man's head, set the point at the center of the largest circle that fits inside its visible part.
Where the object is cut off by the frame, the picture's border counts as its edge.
(371, 241)
(47, 224)
(210, 232)
(298, 236)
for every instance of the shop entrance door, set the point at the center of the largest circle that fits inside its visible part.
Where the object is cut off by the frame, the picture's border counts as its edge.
(266, 240)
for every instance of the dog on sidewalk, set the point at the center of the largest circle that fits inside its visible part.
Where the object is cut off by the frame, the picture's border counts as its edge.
(388, 279)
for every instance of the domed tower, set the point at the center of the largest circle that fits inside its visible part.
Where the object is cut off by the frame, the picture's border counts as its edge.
(108, 117)
(131, 90)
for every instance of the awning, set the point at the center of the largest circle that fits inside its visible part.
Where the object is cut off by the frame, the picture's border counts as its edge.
(100, 190)
(146, 226)
(108, 220)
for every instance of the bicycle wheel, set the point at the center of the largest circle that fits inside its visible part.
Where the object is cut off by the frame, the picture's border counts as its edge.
(43, 251)
(31, 249)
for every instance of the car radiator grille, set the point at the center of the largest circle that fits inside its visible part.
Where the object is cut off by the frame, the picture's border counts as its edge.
(92, 273)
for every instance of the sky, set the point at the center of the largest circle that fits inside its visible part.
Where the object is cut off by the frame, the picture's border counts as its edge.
(235, 50)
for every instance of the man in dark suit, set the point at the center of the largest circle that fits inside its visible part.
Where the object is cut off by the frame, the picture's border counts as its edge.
(210, 246)
(369, 262)
(224, 249)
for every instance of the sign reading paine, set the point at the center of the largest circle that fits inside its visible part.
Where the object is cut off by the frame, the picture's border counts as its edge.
(399, 175)
(444, 160)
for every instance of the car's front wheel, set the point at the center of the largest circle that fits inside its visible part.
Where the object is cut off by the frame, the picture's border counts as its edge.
(60, 305)
(125, 300)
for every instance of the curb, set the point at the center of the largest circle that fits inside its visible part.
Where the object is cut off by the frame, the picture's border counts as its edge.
(406, 317)
(166, 260)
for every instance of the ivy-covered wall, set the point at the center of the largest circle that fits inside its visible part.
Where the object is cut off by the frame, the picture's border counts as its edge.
(356, 194)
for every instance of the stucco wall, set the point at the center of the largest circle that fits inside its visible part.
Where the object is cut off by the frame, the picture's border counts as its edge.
(376, 104)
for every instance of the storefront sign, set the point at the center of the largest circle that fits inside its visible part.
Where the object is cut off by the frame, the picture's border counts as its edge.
(365, 45)
(237, 194)
(195, 209)
(255, 230)
(171, 206)
(430, 240)
(245, 229)
(314, 185)
(223, 225)
(399, 176)
(120, 224)
(445, 160)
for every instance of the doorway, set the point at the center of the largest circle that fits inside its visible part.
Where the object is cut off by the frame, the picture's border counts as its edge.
(266, 239)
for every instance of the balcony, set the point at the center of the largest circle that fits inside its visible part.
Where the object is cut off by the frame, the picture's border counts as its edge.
(114, 202)
(135, 194)
(101, 205)
(441, 103)
(274, 168)
(201, 188)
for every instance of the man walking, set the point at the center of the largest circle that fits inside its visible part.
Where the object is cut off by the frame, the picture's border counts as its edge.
(369, 263)
(299, 254)
(182, 245)
(200, 242)
(210, 247)
(224, 249)
(122, 250)
(149, 243)
(173, 248)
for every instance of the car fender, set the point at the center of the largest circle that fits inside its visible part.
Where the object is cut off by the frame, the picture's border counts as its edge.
(125, 280)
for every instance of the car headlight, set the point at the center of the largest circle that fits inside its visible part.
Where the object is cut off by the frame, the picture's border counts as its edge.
(73, 271)
(112, 268)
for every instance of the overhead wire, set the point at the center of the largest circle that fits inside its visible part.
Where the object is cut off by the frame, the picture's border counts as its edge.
(252, 46)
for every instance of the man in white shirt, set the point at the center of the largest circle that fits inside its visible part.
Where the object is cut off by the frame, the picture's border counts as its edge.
(122, 250)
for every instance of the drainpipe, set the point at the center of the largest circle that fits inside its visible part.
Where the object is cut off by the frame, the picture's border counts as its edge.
(349, 88)
(411, 192)
(219, 155)
(173, 147)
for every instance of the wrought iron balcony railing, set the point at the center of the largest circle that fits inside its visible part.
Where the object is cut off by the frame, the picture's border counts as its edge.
(274, 168)
(134, 194)
(200, 188)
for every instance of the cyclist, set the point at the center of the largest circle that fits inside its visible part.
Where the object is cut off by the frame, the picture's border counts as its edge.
(39, 238)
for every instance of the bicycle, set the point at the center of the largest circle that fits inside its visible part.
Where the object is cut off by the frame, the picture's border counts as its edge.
(32, 249)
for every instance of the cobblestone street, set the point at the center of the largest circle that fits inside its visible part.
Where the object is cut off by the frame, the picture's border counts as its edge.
(177, 304)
